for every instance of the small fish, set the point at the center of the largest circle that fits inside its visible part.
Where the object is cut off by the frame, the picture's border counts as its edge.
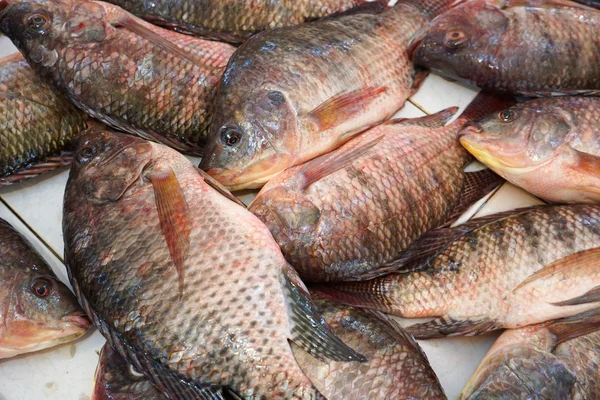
(36, 124)
(119, 69)
(549, 147)
(531, 47)
(507, 270)
(185, 283)
(350, 214)
(291, 94)
(556, 361)
(36, 309)
(397, 367)
(232, 20)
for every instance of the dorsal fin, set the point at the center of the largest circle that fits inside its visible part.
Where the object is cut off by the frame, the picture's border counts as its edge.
(550, 4)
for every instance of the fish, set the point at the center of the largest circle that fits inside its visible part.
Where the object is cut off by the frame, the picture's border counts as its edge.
(291, 94)
(397, 367)
(549, 147)
(37, 310)
(485, 44)
(120, 70)
(234, 21)
(506, 270)
(36, 124)
(185, 283)
(556, 361)
(351, 214)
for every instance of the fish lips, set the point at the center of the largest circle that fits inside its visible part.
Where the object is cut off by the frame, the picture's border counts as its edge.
(77, 318)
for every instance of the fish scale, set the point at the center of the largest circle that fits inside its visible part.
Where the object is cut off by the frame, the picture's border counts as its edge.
(35, 122)
(478, 276)
(129, 74)
(233, 20)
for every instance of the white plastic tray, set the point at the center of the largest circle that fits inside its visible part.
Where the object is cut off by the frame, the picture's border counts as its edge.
(67, 372)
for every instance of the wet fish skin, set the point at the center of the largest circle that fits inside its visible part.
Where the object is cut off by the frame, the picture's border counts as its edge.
(501, 271)
(232, 20)
(36, 124)
(291, 94)
(397, 368)
(146, 80)
(231, 315)
(547, 146)
(529, 362)
(479, 43)
(37, 310)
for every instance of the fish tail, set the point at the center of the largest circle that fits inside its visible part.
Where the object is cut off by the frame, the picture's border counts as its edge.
(375, 294)
(433, 8)
(483, 105)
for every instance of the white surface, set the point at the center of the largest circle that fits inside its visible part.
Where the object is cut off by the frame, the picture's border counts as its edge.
(66, 372)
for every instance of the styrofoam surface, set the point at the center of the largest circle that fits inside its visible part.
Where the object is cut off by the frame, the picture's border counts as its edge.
(66, 372)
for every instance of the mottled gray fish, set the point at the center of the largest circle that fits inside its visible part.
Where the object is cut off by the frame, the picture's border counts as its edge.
(185, 283)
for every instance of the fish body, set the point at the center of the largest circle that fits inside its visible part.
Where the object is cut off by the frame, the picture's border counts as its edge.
(122, 71)
(397, 368)
(528, 47)
(291, 94)
(531, 363)
(233, 20)
(36, 124)
(549, 147)
(37, 310)
(355, 220)
(503, 271)
(186, 284)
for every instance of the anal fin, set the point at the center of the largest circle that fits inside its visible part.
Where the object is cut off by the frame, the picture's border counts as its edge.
(173, 216)
(446, 326)
(309, 329)
(577, 325)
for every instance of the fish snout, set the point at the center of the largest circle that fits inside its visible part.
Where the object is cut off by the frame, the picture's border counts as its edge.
(78, 318)
(469, 129)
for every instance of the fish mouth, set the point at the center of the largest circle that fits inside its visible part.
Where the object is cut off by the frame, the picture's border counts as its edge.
(78, 319)
(500, 166)
(253, 177)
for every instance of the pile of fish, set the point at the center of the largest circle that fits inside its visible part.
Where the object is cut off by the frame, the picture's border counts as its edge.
(201, 297)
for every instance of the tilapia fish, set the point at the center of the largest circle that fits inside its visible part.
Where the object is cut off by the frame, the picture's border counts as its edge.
(540, 362)
(185, 283)
(350, 214)
(36, 124)
(503, 271)
(397, 368)
(120, 70)
(291, 94)
(37, 311)
(232, 20)
(536, 47)
(550, 147)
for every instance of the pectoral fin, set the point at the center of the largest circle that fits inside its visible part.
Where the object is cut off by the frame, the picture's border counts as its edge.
(343, 107)
(576, 325)
(173, 216)
(446, 326)
(585, 162)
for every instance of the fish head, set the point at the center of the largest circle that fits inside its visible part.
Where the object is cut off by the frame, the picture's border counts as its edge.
(106, 164)
(43, 313)
(290, 215)
(41, 27)
(461, 42)
(253, 142)
(517, 139)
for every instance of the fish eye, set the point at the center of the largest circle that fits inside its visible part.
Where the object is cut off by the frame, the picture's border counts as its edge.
(37, 22)
(85, 155)
(41, 287)
(230, 136)
(276, 98)
(507, 115)
(455, 39)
